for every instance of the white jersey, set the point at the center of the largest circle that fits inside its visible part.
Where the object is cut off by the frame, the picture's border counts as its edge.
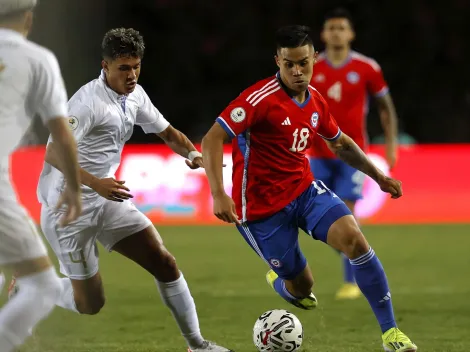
(30, 84)
(102, 121)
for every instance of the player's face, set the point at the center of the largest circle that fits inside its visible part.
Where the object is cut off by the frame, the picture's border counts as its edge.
(122, 73)
(296, 66)
(337, 32)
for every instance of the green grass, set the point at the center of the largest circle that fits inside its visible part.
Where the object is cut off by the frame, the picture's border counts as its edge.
(428, 268)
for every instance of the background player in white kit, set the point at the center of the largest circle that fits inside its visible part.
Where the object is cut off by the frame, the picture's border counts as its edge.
(30, 84)
(102, 115)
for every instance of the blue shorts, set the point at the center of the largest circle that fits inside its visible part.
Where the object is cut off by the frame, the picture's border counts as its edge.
(338, 176)
(275, 238)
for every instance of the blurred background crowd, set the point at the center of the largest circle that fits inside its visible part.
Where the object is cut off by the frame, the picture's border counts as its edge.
(201, 55)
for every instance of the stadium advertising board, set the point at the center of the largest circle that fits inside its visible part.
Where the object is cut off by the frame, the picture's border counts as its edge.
(434, 177)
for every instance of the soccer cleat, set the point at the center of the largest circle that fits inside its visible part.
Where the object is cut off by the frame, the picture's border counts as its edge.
(12, 288)
(307, 303)
(210, 346)
(396, 341)
(348, 291)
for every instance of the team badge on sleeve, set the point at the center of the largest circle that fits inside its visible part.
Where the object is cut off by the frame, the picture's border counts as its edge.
(238, 115)
(73, 123)
(314, 119)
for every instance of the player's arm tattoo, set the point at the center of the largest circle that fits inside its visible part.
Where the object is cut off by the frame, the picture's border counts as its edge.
(388, 118)
(177, 141)
(348, 151)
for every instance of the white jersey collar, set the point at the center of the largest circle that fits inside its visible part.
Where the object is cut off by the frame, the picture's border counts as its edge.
(10, 34)
(111, 92)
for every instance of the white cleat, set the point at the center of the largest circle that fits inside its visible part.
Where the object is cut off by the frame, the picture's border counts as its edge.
(210, 346)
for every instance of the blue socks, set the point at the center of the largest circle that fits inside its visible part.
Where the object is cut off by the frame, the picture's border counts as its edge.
(280, 287)
(371, 279)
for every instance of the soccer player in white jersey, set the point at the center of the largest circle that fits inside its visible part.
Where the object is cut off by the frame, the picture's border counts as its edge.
(102, 115)
(30, 84)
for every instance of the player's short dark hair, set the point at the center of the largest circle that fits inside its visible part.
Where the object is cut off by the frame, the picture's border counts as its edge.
(122, 42)
(293, 36)
(340, 12)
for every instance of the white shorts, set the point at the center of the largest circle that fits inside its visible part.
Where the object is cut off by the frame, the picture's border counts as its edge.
(19, 238)
(75, 245)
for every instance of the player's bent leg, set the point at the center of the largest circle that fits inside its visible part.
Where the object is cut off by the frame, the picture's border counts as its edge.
(75, 247)
(297, 291)
(302, 284)
(275, 239)
(146, 248)
(84, 296)
(345, 235)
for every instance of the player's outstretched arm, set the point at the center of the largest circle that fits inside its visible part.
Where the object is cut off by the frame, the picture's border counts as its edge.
(213, 152)
(180, 144)
(388, 118)
(348, 151)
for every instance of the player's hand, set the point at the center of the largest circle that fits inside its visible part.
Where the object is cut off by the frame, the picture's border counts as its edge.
(195, 164)
(390, 185)
(391, 156)
(73, 201)
(112, 189)
(224, 209)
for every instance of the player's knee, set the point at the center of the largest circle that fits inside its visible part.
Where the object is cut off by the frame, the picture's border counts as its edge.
(353, 243)
(91, 305)
(163, 267)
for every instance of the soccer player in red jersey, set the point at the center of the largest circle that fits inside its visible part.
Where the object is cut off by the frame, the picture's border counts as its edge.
(272, 125)
(346, 79)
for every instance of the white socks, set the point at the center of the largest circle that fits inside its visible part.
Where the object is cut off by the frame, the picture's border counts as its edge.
(177, 297)
(28, 307)
(67, 299)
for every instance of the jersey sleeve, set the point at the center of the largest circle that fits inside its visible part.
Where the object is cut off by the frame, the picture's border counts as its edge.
(148, 116)
(376, 84)
(49, 92)
(81, 119)
(239, 115)
(328, 127)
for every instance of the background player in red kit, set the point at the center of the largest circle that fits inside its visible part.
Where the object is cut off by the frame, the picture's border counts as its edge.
(272, 125)
(346, 79)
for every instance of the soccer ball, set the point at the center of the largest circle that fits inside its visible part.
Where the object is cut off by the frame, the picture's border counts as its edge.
(278, 331)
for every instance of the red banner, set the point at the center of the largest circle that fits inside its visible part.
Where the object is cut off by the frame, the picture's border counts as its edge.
(435, 183)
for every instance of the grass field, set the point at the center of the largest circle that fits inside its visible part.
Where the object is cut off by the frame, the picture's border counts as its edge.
(428, 268)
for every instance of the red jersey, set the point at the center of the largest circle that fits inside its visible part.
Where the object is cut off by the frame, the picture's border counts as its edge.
(346, 89)
(271, 134)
